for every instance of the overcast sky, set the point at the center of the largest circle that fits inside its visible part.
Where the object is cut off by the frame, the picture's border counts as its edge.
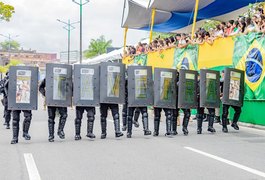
(35, 23)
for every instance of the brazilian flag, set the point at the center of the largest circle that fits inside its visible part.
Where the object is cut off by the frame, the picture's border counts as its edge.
(140, 59)
(248, 56)
(186, 58)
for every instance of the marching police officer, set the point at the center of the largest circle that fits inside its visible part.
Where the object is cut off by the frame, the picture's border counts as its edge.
(7, 113)
(52, 114)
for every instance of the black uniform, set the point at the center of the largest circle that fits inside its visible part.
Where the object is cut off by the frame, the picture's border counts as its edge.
(144, 119)
(157, 116)
(7, 113)
(200, 113)
(225, 115)
(52, 114)
(16, 120)
(103, 119)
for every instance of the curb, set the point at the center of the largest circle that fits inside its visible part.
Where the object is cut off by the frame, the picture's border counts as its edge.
(252, 126)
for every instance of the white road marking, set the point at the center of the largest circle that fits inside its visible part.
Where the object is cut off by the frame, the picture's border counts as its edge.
(231, 163)
(31, 167)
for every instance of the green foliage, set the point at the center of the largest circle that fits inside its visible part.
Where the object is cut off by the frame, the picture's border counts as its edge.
(13, 62)
(97, 47)
(210, 24)
(162, 35)
(14, 45)
(6, 11)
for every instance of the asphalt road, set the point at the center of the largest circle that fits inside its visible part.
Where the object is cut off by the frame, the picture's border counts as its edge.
(236, 155)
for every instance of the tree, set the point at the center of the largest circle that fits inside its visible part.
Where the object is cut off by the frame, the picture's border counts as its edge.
(14, 45)
(97, 47)
(6, 11)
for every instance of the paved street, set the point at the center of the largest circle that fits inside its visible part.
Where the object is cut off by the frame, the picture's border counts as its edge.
(236, 155)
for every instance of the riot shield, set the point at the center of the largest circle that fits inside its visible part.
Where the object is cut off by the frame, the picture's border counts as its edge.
(233, 90)
(165, 88)
(86, 85)
(187, 90)
(112, 83)
(209, 88)
(140, 86)
(23, 88)
(58, 85)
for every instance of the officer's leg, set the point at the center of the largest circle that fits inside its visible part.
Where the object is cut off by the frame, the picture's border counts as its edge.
(185, 122)
(236, 117)
(90, 121)
(136, 117)
(124, 117)
(174, 121)
(26, 124)
(78, 121)
(168, 113)
(16, 118)
(217, 115)
(199, 117)
(211, 120)
(116, 119)
(62, 121)
(157, 116)
(103, 120)
(7, 115)
(51, 116)
(224, 118)
(129, 121)
(145, 121)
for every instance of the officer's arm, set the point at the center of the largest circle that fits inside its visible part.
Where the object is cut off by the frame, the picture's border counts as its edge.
(42, 87)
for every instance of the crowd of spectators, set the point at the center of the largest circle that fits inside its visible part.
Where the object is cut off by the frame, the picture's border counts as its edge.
(243, 25)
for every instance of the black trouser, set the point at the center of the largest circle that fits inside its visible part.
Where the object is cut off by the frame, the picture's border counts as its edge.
(157, 116)
(175, 115)
(16, 120)
(144, 113)
(124, 114)
(7, 113)
(200, 113)
(186, 118)
(225, 114)
(104, 114)
(79, 111)
(51, 116)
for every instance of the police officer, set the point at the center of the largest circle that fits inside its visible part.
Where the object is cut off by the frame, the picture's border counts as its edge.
(52, 114)
(16, 120)
(7, 113)
(79, 110)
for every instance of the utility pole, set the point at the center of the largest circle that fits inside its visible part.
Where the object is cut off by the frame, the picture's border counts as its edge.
(81, 3)
(69, 27)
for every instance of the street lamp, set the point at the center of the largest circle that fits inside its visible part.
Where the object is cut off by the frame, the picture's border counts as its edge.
(81, 3)
(69, 27)
(9, 43)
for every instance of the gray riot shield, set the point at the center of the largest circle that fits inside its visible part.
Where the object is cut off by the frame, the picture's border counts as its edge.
(112, 83)
(86, 85)
(233, 88)
(23, 88)
(209, 88)
(187, 90)
(58, 85)
(140, 86)
(165, 88)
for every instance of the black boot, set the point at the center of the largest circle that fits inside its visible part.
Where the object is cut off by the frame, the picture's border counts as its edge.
(118, 133)
(124, 122)
(15, 133)
(210, 124)
(7, 126)
(217, 119)
(174, 126)
(145, 126)
(156, 126)
(103, 124)
(60, 132)
(51, 131)
(235, 126)
(90, 125)
(224, 124)
(185, 126)
(199, 124)
(26, 125)
(129, 130)
(77, 129)
(168, 125)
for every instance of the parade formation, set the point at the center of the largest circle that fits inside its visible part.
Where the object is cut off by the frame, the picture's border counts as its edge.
(137, 88)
